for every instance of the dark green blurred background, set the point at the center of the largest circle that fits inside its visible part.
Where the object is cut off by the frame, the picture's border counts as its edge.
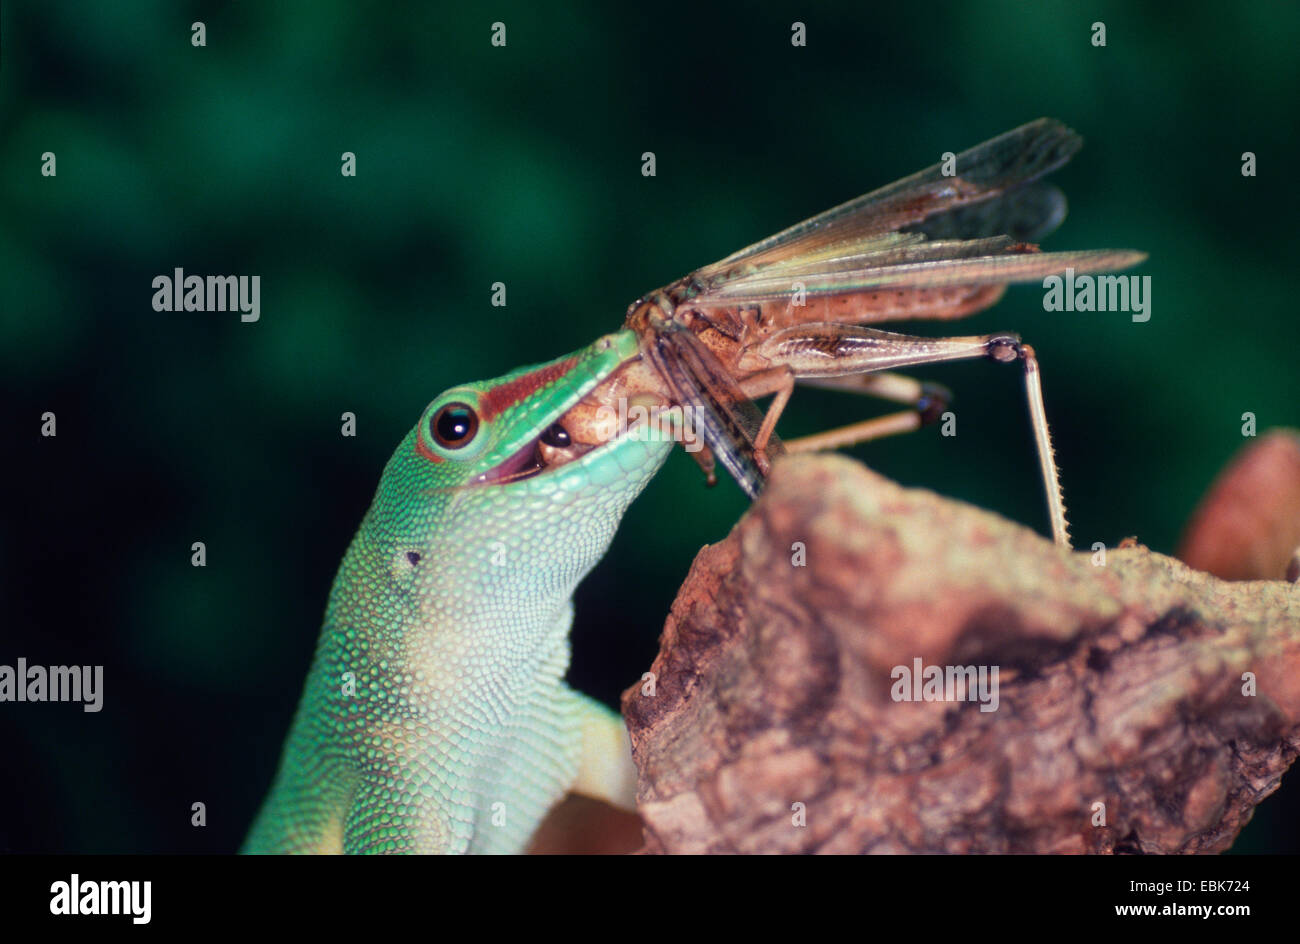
(521, 164)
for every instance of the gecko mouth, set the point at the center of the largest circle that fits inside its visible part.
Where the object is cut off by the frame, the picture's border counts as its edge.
(554, 448)
(524, 464)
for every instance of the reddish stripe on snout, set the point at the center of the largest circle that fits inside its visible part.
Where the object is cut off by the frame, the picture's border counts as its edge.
(501, 398)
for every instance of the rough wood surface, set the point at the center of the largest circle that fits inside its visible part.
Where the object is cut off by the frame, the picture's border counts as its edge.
(1125, 716)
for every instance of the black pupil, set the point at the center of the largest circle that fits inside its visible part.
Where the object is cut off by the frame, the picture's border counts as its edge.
(454, 425)
(557, 436)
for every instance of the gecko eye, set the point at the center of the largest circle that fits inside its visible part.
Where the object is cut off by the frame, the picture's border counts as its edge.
(557, 436)
(454, 426)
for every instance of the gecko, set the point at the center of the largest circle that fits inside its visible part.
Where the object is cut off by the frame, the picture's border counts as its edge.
(435, 716)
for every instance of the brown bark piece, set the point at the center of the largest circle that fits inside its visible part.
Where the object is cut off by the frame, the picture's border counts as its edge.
(771, 727)
(1247, 527)
(580, 825)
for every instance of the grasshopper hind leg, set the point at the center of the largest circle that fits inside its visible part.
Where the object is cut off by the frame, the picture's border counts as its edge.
(848, 357)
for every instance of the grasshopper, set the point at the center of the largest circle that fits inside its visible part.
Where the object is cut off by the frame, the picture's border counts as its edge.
(800, 306)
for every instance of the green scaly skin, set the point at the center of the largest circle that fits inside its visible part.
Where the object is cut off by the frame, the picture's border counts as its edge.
(435, 716)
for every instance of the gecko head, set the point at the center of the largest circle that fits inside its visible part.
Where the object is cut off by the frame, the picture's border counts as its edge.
(531, 423)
